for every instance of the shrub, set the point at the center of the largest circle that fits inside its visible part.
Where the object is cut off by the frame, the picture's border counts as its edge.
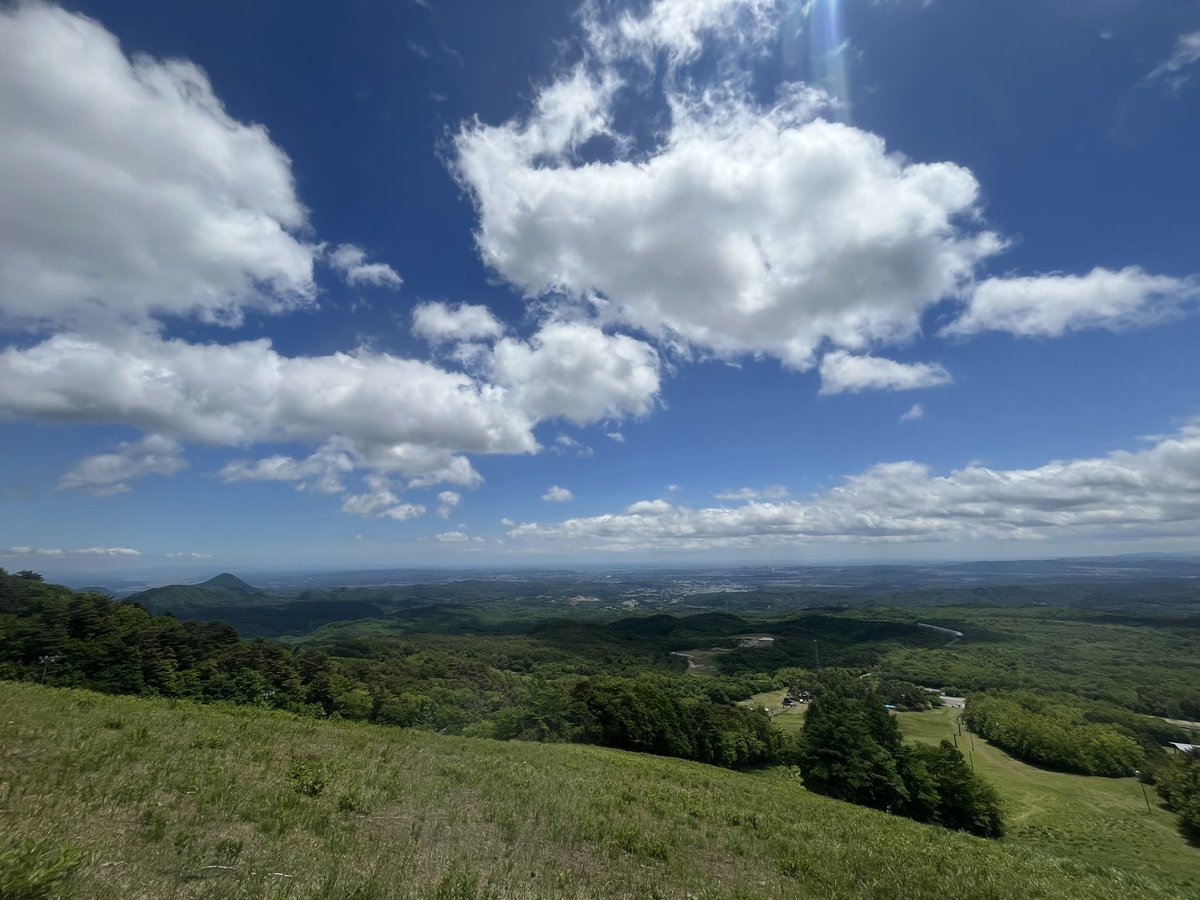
(307, 778)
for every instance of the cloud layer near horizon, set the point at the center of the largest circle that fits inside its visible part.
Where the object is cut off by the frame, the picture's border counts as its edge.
(1155, 491)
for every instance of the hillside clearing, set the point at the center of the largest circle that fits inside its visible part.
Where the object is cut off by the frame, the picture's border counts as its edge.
(1100, 820)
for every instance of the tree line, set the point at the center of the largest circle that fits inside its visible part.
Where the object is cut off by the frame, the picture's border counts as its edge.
(851, 749)
(1054, 734)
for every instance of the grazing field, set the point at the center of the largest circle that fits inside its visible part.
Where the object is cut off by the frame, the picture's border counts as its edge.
(1100, 821)
(156, 798)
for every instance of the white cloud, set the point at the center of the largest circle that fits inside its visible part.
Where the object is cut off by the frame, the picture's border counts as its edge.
(1052, 305)
(557, 494)
(648, 507)
(447, 500)
(746, 230)
(507, 522)
(322, 471)
(676, 28)
(1185, 54)
(454, 470)
(62, 552)
(384, 413)
(398, 412)
(380, 501)
(128, 191)
(452, 537)
(111, 473)
(916, 411)
(615, 436)
(844, 372)
(441, 322)
(351, 262)
(564, 444)
(578, 372)
(191, 555)
(1150, 492)
(774, 492)
(129, 196)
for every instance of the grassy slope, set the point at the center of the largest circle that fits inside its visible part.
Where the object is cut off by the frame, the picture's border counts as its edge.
(1101, 821)
(154, 791)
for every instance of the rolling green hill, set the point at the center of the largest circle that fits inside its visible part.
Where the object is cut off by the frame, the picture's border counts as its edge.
(223, 590)
(254, 612)
(157, 798)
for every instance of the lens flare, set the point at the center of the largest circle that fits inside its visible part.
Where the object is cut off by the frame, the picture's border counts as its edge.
(827, 49)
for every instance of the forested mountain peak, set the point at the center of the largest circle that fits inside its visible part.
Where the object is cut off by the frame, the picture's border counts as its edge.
(229, 582)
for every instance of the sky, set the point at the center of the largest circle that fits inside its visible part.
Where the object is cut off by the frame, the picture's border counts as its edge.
(470, 283)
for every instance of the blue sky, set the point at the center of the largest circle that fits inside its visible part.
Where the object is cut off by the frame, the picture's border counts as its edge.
(479, 283)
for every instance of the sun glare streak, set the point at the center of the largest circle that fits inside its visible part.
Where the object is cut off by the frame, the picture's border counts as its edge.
(828, 46)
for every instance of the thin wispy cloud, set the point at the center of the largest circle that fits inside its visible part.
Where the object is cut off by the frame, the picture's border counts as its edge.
(1172, 71)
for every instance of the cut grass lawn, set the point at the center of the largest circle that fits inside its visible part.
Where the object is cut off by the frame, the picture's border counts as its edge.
(169, 799)
(1101, 821)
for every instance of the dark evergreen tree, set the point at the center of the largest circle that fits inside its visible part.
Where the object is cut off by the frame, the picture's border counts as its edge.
(851, 749)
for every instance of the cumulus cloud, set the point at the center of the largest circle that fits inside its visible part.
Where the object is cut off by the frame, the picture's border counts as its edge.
(452, 537)
(128, 191)
(247, 392)
(77, 552)
(648, 507)
(400, 414)
(443, 322)
(844, 372)
(189, 555)
(1171, 70)
(1155, 491)
(506, 521)
(447, 500)
(130, 196)
(379, 500)
(578, 372)
(1052, 305)
(615, 436)
(916, 411)
(557, 494)
(386, 413)
(744, 230)
(350, 261)
(322, 471)
(111, 473)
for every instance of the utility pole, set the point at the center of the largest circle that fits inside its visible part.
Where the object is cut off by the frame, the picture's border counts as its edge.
(1145, 796)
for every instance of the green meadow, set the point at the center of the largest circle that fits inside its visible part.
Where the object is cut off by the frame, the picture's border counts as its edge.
(150, 798)
(1098, 821)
